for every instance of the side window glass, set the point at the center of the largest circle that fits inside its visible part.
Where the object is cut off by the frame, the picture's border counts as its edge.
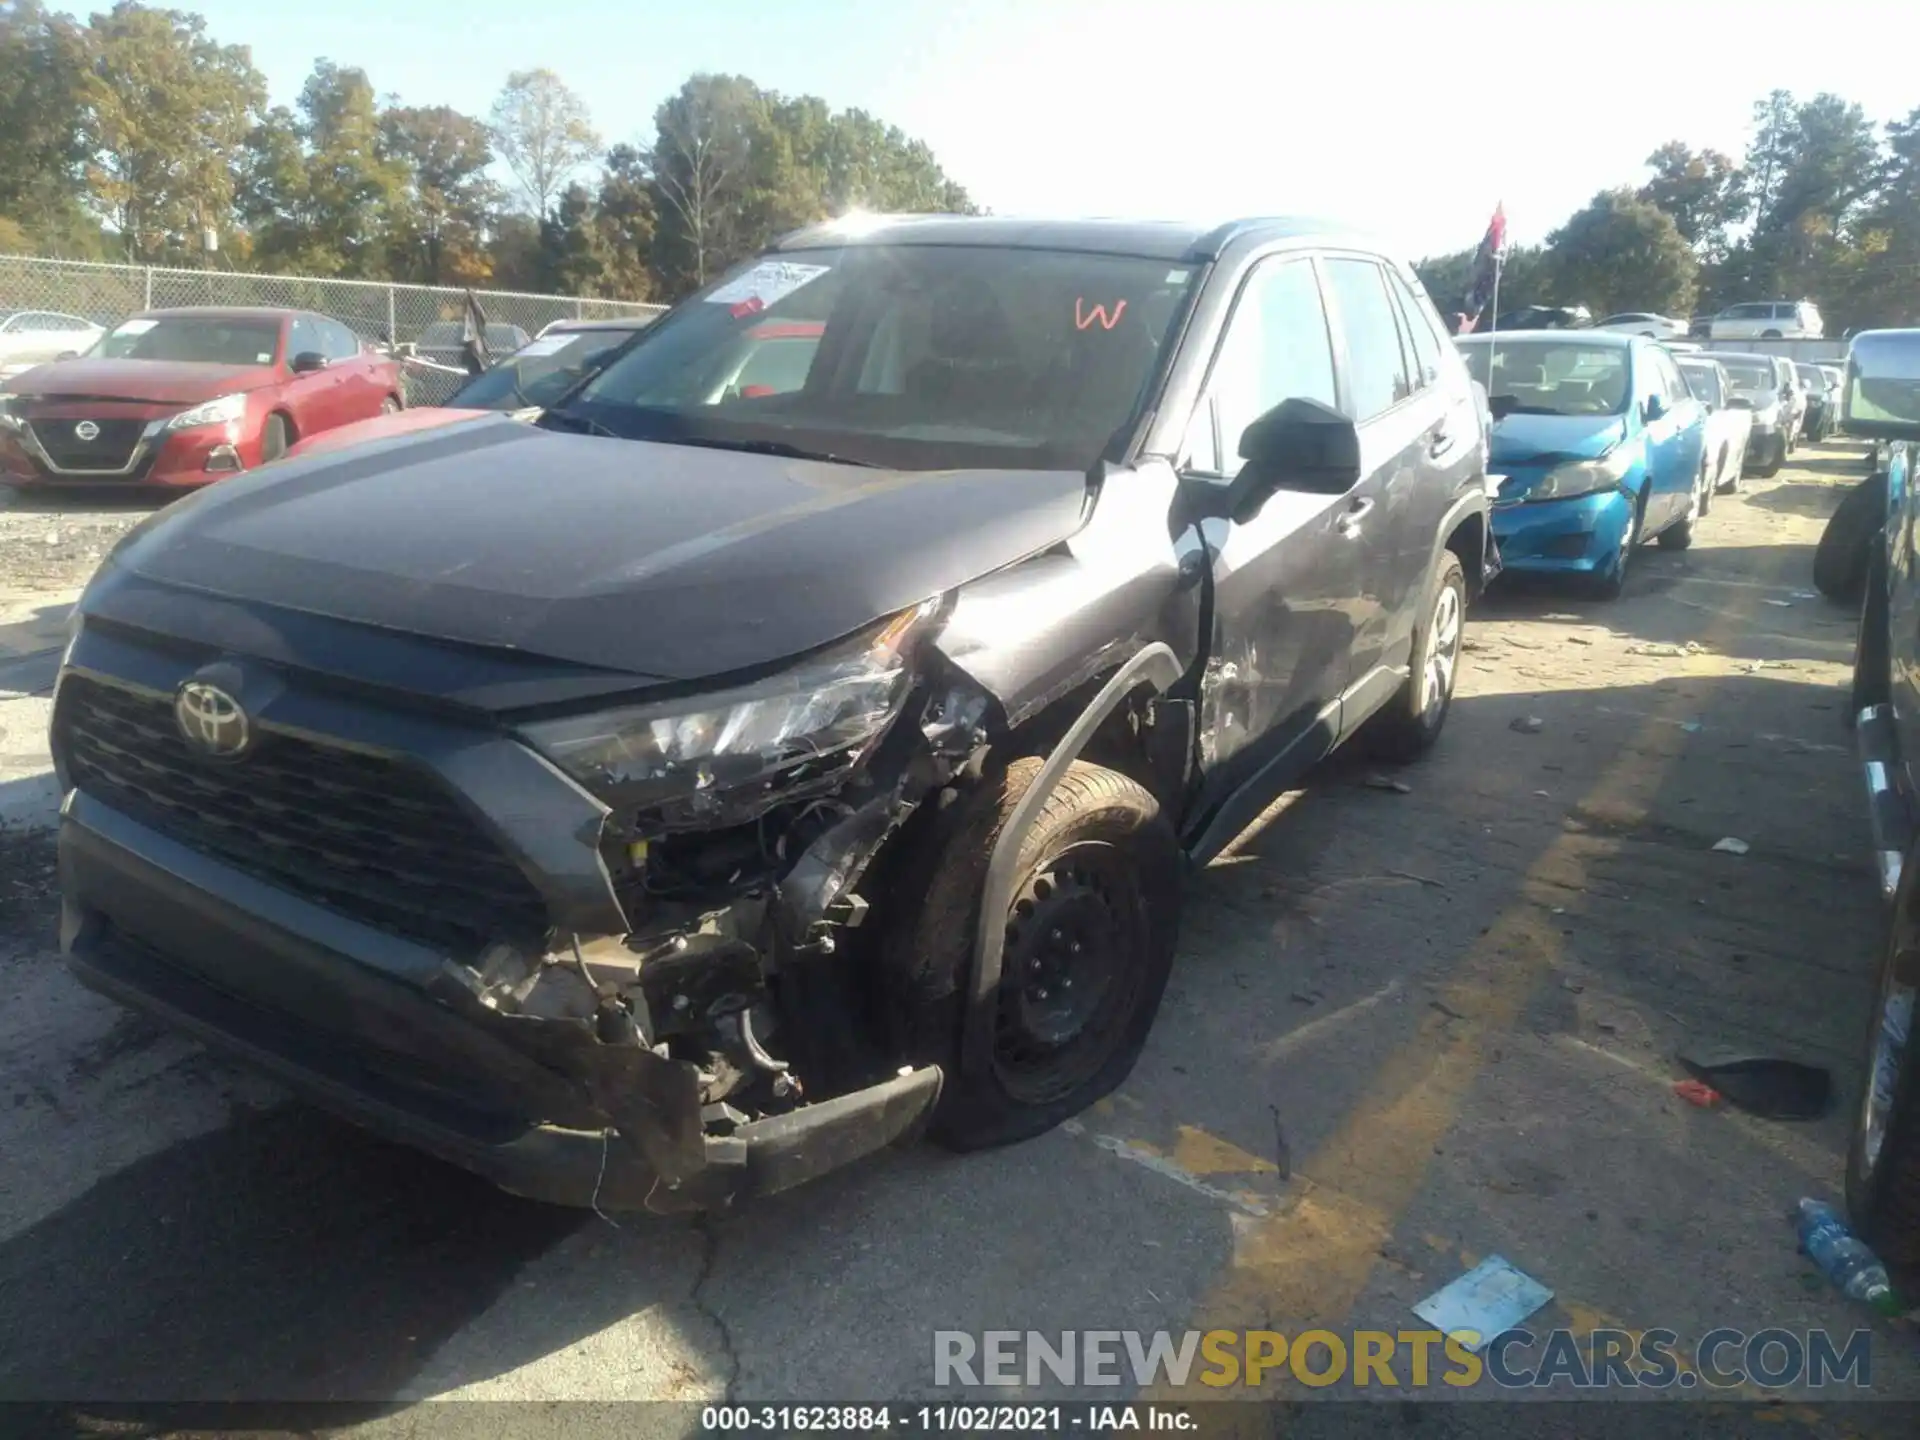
(342, 343)
(1200, 453)
(1426, 342)
(305, 337)
(1277, 348)
(1377, 372)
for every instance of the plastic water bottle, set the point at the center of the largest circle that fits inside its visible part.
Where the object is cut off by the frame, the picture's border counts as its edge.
(1845, 1260)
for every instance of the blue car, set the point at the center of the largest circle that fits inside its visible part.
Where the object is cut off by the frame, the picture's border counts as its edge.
(1603, 446)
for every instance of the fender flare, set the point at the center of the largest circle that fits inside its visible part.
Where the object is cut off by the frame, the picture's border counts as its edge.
(1464, 506)
(1154, 665)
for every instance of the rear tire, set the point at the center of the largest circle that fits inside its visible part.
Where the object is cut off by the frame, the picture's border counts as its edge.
(1883, 1158)
(273, 443)
(390, 405)
(1846, 547)
(1097, 905)
(1770, 335)
(1407, 726)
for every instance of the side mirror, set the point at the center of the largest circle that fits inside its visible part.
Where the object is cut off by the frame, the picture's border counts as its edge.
(1656, 408)
(308, 361)
(1298, 445)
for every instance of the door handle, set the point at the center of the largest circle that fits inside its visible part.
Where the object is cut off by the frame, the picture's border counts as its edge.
(1438, 440)
(1349, 523)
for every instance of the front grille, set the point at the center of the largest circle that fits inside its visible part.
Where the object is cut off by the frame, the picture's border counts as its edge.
(375, 839)
(109, 450)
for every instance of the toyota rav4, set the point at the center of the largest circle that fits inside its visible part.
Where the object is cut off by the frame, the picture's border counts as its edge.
(736, 771)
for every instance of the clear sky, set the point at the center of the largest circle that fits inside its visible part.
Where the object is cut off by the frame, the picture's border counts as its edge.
(1408, 119)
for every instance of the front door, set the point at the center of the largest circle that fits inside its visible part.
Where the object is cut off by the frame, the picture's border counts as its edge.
(1284, 582)
(1669, 480)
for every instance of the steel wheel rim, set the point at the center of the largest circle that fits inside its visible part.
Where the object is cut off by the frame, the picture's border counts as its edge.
(1045, 1046)
(1443, 651)
(1891, 1037)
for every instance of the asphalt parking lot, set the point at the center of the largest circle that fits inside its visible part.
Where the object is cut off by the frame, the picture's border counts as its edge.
(1409, 1029)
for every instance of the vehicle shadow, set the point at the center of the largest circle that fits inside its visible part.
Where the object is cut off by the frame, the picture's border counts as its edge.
(1804, 497)
(288, 1257)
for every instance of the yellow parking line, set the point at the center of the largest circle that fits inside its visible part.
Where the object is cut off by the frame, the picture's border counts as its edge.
(1309, 1263)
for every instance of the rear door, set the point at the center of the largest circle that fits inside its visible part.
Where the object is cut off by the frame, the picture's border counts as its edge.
(361, 386)
(1677, 440)
(1389, 398)
(1284, 582)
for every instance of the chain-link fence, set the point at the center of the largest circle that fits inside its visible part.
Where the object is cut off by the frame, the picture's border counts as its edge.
(421, 321)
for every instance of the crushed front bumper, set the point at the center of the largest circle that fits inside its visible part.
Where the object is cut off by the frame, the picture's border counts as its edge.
(370, 1026)
(1576, 535)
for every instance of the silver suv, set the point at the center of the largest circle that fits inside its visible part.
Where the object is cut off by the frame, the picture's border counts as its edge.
(1768, 320)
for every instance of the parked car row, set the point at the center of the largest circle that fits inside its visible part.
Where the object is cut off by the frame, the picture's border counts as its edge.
(183, 397)
(1765, 320)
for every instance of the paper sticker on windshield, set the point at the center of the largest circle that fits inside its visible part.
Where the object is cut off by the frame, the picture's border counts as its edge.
(766, 283)
(545, 345)
(136, 327)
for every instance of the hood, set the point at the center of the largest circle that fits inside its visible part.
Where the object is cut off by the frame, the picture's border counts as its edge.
(162, 382)
(382, 427)
(1548, 439)
(667, 561)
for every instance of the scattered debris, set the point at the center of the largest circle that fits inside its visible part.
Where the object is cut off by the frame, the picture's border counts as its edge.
(1574, 985)
(1841, 1256)
(1304, 997)
(1763, 1085)
(1695, 1092)
(1692, 647)
(1783, 604)
(1489, 1300)
(1446, 1009)
(1387, 782)
(1543, 794)
(53, 537)
(1692, 727)
(1520, 644)
(1527, 724)
(1579, 639)
(1806, 595)
(1754, 667)
(1418, 879)
(1731, 845)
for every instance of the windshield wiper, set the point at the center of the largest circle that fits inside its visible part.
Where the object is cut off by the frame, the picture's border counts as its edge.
(585, 424)
(782, 448)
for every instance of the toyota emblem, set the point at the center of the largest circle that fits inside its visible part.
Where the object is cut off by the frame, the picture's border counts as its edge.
(211, 720)
(86, 430)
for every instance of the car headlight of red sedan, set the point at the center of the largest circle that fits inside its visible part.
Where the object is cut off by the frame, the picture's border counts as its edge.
(224, 410)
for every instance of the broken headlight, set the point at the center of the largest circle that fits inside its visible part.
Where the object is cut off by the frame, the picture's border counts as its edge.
(1585, 477)
(703, 753)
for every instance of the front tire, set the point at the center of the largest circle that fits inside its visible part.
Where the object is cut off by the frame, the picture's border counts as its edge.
(1090, 941)
(1846, 547)
(1611, 583)
(1407, 726)
(273, 444)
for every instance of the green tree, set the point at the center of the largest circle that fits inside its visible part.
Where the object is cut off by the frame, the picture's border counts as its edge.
(1622, 253)
(700, 164)
(513, 252)
(573, 256)
(627, 224)
(167, 111)
(542, 131)
(42, 61)
(1877, 281)
(322, 193)
(1525, 279)
(1701, 189)
(440, 234)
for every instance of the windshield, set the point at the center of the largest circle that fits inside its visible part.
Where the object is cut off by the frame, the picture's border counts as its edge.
(202, 339)
(1746, 375)
(1811, 378)
(1549, 377)
(909, 356)
(541, 371)
(1705, 383)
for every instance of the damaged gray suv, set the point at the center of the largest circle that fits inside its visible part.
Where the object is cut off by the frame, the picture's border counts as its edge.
(771, 754)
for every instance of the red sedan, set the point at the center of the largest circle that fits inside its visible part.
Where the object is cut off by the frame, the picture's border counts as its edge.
(183, 397)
